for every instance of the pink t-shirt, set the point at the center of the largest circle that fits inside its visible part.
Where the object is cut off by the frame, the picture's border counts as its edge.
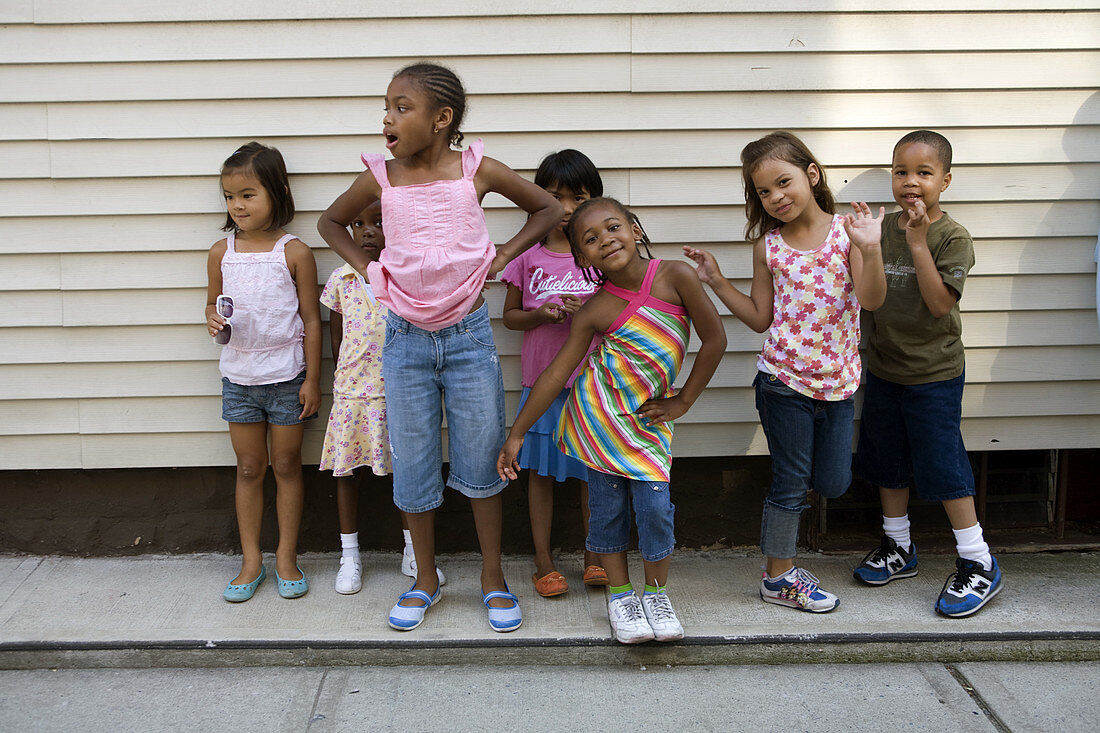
(437, 246)
(543, 277)
(813, 342)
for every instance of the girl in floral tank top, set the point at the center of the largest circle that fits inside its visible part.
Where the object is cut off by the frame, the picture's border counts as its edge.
(808, 285)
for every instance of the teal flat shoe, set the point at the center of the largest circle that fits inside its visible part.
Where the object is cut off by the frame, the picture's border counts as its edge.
(292, 588)
(241, 593)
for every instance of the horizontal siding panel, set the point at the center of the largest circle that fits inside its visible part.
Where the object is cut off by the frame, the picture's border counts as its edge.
(1028, 364)
(556, 112)
(717, 186)
(39, 417)
(892, 71)
(993, 256)
(641, 188)
(699, 33)
(30, 308)
(25, 159)
(17, 11)
(390, 39)
(77, 82)
(34, 452)
(315, 78)
(128, 11)
(118, 302)
(694, 149)
(1032, 433)
(191, 343)
(24, 122)
(671, 225)
(30, 271)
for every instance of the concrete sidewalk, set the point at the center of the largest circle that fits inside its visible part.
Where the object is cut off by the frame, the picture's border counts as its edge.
(161, 611)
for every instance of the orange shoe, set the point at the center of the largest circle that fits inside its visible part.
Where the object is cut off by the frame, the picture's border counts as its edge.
(550, 585)
(595, 575)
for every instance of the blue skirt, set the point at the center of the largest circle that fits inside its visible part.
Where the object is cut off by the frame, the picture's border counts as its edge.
(540, 452)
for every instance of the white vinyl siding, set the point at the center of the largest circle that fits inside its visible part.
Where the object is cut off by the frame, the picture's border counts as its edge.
(115, 116)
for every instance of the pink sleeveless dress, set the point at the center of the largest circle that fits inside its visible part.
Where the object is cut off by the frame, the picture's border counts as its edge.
(437, 251)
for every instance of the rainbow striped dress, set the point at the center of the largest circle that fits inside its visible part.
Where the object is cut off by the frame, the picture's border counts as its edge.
(638, 359)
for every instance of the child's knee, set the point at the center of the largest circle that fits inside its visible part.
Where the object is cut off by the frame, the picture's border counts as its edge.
(286, 465)
(250, 468)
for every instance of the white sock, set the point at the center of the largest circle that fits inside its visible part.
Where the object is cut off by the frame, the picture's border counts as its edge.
(349, 544)
(897, 529)
(408, 541)
(972, 546)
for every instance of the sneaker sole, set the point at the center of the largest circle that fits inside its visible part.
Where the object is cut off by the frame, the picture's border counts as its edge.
(895, 576)
(348, 592)
(792, 604)
(638, 640)
(992, 594)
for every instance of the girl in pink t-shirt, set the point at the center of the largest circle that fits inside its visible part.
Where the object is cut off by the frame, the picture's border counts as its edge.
(545, 289)
(808, 285)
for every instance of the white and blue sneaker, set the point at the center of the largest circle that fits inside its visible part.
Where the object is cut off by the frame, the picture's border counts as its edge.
(887, 562)
(798, 589)
(968, 588)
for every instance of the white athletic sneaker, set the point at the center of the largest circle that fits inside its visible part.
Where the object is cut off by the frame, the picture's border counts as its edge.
(349, 579)
(662, 619)
(628, 620)
(408, 567)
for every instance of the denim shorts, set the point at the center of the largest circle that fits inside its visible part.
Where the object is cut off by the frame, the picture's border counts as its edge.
(454, 370)
(609, 500)
(909, 435)
(811, 447)
(275, 404)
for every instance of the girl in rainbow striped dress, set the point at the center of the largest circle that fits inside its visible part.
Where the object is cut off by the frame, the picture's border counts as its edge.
(618, 420)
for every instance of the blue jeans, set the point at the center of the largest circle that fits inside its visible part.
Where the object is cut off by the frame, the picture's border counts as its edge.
(426, 372)
(913, 429)
(811, 445)
(609, 500)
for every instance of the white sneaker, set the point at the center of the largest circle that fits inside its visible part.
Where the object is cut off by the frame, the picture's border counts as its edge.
(349, 579)
(408, 567)
(628, 620)
(662, 619)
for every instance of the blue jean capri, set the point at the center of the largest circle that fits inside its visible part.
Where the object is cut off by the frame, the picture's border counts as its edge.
(609, 501)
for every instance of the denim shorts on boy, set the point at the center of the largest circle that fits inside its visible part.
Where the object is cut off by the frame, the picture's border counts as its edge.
(275, 404)
(811, 447)
(609, 501)
(457, 369)
(912, 431)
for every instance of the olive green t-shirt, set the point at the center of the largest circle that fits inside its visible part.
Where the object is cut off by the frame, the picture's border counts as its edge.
(905, 343)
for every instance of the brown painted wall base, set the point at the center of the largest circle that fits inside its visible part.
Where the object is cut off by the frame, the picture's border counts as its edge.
(130, 511)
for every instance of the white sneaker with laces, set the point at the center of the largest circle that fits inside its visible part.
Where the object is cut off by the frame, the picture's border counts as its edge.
(661, 617)
(408, 567)
(349, 579)
(628, 620)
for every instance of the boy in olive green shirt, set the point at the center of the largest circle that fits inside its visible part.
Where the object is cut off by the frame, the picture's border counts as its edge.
(912, 408)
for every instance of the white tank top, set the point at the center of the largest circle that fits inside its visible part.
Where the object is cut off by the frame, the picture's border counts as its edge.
(266, 345)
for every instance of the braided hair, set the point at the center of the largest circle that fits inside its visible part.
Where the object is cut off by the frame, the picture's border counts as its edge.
(592, 274)
(444, 89)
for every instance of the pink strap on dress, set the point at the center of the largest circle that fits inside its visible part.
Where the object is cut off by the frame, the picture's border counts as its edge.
(635, 300)
(471, 158)
(376, 163)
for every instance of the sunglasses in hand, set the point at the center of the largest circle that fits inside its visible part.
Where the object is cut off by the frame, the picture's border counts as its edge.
(223, 306)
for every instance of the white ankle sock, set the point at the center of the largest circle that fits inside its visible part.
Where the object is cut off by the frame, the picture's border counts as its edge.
(972, 546)
(897, 529)
(349, 544)
(408, 541)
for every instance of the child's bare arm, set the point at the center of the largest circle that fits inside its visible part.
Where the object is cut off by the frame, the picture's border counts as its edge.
(755, 309)
(336, 332)
(707, 323)
(545, 211)
(518, 319)
(549, 384)
(303, 268)
(214, 322)
(937, 295)
(333, 223)
(865, 256)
